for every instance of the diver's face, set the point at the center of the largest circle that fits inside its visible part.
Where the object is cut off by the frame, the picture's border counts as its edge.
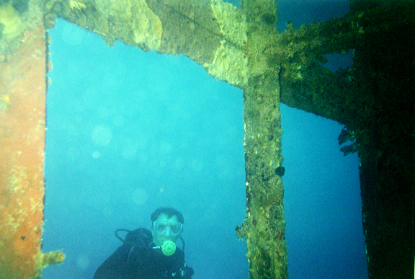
(158, 238)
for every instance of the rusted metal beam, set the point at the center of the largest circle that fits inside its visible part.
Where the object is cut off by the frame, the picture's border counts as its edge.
(23, 65)
(264, 224)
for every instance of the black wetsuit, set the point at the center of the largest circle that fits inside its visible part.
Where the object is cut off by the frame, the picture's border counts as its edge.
(139, 260)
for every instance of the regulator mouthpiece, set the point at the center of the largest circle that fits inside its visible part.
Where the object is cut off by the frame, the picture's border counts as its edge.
(168, 248)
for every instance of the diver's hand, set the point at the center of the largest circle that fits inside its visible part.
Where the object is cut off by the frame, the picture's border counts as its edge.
(186, 272)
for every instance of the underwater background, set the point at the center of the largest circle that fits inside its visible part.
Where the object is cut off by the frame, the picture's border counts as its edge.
(129, 131)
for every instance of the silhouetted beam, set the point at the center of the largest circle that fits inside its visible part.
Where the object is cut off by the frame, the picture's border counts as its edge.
(386, 139)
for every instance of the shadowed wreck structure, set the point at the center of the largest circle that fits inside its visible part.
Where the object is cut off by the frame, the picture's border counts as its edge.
(374, 99)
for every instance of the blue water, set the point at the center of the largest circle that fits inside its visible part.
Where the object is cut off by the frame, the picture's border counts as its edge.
(129, 131)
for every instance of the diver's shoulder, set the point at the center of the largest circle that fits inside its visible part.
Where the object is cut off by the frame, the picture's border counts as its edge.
(141, 235)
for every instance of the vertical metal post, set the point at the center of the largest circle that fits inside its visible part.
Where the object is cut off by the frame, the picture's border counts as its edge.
(23, 65)
(264, 225)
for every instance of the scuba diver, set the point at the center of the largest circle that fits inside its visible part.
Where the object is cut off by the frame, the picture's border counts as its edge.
(146, 254)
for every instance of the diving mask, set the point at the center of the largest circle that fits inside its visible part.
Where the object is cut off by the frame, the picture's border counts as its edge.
(164, 226)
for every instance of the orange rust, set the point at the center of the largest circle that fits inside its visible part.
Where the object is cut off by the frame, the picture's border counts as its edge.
(22, 140)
